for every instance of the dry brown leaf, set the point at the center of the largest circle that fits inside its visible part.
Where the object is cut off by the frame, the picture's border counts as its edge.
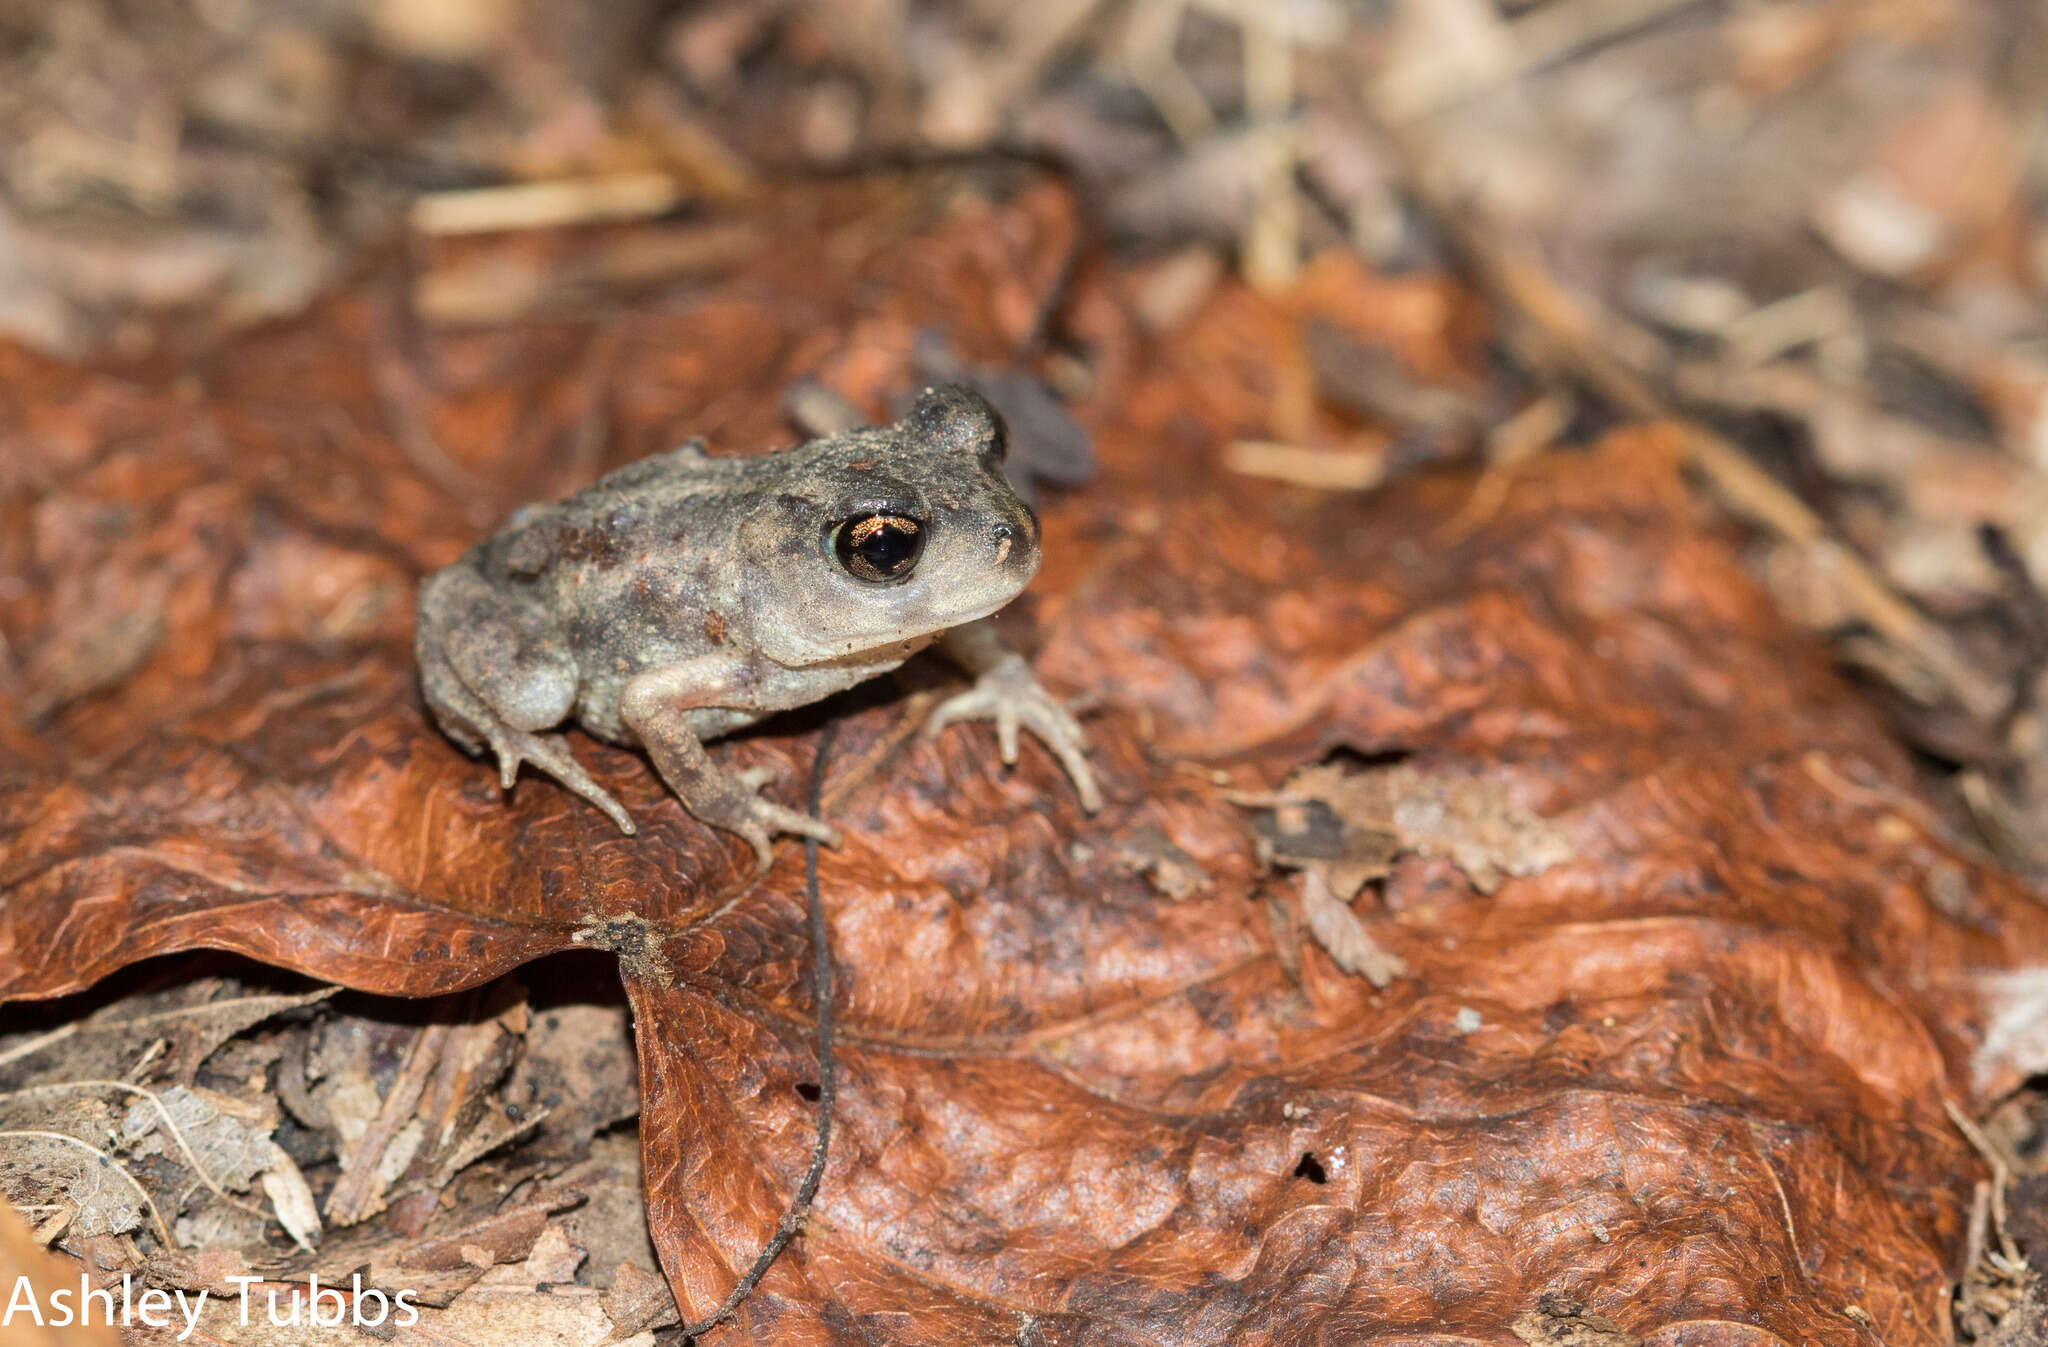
(525, 1317)
(577, 1070)
(1383, 812)
(69, 1187)
(638, 1300)
(1720, 1011)
(292, 1200)
(226, 1139)
(1338, 930)
(112, 1043)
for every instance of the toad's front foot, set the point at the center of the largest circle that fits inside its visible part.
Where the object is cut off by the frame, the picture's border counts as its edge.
(1011, 695)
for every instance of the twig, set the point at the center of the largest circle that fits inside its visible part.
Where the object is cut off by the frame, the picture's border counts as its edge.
(1321, 469)
(471, 1150)
(1551, 33)
(545, 205)
(1271, 252)
(399, 390)
(821, 982)
(1570, 332)
(34, 1045)
(37, 1044)
(1149, 36)
(1976, 1241)
(360, 1185)
(593, 425)
(1545, 36)
(2001, 1175)
(964, 109)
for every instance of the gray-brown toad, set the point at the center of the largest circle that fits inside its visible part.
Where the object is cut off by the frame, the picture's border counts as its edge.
(684, 596)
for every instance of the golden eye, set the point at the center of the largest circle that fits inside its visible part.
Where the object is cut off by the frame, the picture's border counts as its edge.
(878, 547)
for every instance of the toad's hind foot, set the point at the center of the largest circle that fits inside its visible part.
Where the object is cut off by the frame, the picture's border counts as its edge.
(550, 753)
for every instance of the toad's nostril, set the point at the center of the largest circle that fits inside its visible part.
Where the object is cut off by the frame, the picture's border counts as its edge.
(1005, 537)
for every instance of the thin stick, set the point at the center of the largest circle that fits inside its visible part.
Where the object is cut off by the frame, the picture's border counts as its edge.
(361, 1192)
(37, 1044)
(2001, 1174)
(1544, 37)
(549, 204)
(821, 981)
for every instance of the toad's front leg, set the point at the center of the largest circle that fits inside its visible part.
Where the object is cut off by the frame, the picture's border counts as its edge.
(654, 705)
(1007, 692)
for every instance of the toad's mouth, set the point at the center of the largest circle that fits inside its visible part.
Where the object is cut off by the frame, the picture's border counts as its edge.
(863, 652)
(989, 610)
(879, 658)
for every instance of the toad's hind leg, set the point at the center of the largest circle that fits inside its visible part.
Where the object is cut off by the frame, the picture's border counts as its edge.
(495, 672)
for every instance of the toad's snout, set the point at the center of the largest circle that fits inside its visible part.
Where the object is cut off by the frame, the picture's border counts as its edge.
(1015, 540)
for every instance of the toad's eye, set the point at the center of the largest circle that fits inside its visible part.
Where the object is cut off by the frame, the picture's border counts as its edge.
(878, 547)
